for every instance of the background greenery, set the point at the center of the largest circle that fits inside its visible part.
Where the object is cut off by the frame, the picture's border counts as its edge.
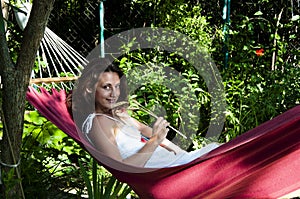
(258, 87)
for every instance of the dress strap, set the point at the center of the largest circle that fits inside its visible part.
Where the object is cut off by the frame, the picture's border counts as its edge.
(88, 122)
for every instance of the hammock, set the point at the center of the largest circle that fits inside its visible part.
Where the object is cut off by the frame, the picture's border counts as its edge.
(57, 63)
(262, 163)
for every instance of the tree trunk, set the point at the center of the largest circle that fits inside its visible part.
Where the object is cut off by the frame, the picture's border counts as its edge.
(15, 80)
(4, 7)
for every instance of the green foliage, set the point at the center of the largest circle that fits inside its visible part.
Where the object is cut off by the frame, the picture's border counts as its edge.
(51, 167)
(181, 16)
(257, 95)
(260, 86)
(155, 82)
(14, 37)
(187, 20)
(255, 91)
(273, 31)
(101, 185)
(10, 181)
(168, 84)
(49, 159)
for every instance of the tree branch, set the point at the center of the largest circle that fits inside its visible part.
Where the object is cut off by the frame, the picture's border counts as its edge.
(33, 34)
(5, 60)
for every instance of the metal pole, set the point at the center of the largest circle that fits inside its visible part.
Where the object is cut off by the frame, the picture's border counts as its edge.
(101, 17)
(226, 18)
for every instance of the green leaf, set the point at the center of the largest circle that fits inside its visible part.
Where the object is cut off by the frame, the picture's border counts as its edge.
(34, 117)
(86, 179)
(295, 17)
(109, 187)
(95, 179)
(118, 187)
(292, 36)
(258, 13)
(245, 48)
(125, 192)
(123, 60)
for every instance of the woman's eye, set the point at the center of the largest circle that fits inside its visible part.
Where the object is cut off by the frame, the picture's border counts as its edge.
(106, 87)
(110, 87)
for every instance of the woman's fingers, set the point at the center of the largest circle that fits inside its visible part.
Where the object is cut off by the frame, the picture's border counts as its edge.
(122, 113)
(161, 122)
(160, 128)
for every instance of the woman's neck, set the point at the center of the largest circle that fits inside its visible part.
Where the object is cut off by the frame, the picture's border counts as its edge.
(105, 111)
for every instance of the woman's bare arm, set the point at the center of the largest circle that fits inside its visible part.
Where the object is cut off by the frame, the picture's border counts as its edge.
(103, 137)
(147, 131)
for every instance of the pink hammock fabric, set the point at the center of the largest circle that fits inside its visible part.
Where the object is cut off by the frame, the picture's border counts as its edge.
(262, 163)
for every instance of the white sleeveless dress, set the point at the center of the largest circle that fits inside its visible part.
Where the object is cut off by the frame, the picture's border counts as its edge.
(129, 142)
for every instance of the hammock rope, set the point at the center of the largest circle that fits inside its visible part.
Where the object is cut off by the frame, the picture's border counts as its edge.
(71, 57)
(58, 63)
(58, 60)
(16, 163)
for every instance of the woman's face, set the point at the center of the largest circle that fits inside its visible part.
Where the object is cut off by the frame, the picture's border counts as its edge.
(107, 91)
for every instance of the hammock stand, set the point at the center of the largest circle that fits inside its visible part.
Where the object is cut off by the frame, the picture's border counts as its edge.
(262, 163)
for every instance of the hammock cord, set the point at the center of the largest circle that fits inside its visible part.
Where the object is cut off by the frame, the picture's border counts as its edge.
(55, 60)
(56, 57)
(67, 52)
(44, 60)
(16, 163)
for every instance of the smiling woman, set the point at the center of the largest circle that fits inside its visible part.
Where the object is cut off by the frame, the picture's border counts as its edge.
(107, 91)
(113, 131)
(95, 82)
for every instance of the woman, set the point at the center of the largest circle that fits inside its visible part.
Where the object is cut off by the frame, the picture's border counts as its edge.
(112, 131)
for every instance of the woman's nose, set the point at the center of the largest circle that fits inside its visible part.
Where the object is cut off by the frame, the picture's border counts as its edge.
(114, 92)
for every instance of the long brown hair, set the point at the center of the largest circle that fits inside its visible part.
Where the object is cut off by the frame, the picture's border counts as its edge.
(81, 102)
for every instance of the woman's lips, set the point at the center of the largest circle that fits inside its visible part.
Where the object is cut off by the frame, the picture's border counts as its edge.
(112, 101)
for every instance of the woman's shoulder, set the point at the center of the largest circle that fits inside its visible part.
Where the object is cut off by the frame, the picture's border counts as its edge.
(106, 121)
(95, 122)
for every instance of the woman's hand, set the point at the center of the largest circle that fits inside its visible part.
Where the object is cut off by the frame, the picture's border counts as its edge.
(160, 130)
(122, 114)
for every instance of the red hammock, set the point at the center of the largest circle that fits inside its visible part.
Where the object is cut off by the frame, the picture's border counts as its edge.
(262, 163)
